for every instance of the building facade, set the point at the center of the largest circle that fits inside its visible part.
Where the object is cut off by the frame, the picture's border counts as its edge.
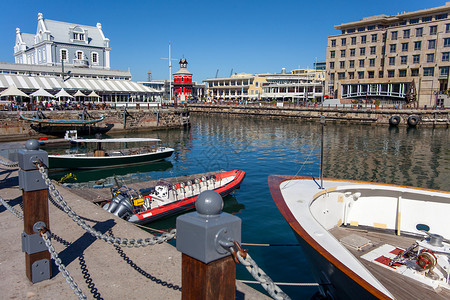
(401, 59)
(300, 85)
(57, 43)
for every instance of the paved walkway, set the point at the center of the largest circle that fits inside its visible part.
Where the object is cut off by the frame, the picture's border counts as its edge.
(101, 270)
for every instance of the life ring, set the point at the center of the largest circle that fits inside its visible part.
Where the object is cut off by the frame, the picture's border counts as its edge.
(413, 120)
(394, 120)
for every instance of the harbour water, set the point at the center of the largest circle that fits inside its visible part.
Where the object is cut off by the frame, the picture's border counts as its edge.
(261, 147)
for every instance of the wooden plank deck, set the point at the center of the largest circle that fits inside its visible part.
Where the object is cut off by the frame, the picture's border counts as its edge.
(400, 286)
(103, 195)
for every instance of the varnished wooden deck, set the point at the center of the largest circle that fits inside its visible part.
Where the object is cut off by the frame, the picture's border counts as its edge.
(400, 286)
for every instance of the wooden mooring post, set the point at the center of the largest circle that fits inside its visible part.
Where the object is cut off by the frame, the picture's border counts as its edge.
(204, 237)
(35, 211)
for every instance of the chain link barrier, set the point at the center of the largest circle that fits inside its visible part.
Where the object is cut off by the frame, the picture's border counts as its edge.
(122, 242)
(15, 212)
(73, 285)
(266, 282)
(9, 164)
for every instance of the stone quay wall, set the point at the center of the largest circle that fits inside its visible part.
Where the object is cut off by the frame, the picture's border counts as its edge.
(13, 127)
(362, 115)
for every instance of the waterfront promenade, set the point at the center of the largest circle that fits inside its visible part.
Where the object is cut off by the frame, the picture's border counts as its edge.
(101, 270)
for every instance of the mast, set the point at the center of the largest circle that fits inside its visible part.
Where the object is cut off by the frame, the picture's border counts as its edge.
(170, 74)
(322, 121)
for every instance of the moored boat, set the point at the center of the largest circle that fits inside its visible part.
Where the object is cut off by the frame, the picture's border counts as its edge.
(101, 158)
(369, 240)
(167, 199)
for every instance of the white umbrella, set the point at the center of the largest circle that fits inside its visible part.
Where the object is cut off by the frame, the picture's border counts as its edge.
(63, 93)
(13, 91)
(93, 94)
(79, 94)
(42, 93)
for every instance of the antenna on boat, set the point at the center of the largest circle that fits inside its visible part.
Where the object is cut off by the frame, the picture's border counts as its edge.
(322, 121)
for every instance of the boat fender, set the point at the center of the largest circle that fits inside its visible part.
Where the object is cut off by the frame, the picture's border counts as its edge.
(413, 120)
(394, 120)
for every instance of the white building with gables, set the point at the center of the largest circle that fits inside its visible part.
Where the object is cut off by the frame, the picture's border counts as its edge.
(56, 43)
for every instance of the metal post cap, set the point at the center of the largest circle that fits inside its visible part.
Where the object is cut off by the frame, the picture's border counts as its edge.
(32, 144)
(209, 203)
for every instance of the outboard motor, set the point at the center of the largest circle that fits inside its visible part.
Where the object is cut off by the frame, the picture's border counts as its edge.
(120, 206)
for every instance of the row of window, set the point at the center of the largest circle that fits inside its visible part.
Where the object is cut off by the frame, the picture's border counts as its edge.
(417, 46)
(443, 71)
(79, 55)
(394, 35)
(430, 58)
(404, 22)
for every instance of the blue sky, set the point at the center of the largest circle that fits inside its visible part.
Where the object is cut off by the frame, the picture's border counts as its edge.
(244, 36)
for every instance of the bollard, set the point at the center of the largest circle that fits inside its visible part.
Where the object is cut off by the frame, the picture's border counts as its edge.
(35, 211)
(208, 269)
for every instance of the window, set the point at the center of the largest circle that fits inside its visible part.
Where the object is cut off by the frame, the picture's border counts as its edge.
(406, 33)
(95, 58)
(447, 42)
(428, 71)
(371, 74)
(371, 27)
(362, 51)
(343, 42)
(431, 44)
(361, 75)
(419, 32)
(391, 73)
(374, 38)
(79, 55)
(342, 64)
(373, 50)
(417, 46)
(380, 74)
(63, 54)
(445, 56)
(361, 63)
(430, 57)
(403, 60)
(441, 16)
(351, 64)
(391, 61)
(332, 54)
(361, 29)
(363, 39)
(393, 48)
(443, 71)
(353, 40)
(342, 53)
(352, 52)
(414, 21)
(401, 73)
(341, 75)
(416, 59)
(372, 62)
(447, 28)
(414, 72)
(394, 35)
(433, 30)
(426, 19)
(333, 43)
(351, 75)
(404, 47)
(332, 65)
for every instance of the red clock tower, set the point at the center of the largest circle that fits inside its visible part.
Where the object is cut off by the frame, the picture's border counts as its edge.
(182, 83)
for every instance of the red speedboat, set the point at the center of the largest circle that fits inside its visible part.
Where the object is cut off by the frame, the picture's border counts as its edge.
(167, 199)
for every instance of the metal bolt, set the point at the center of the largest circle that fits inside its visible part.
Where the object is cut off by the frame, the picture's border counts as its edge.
(209, 203)
(32, 144)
